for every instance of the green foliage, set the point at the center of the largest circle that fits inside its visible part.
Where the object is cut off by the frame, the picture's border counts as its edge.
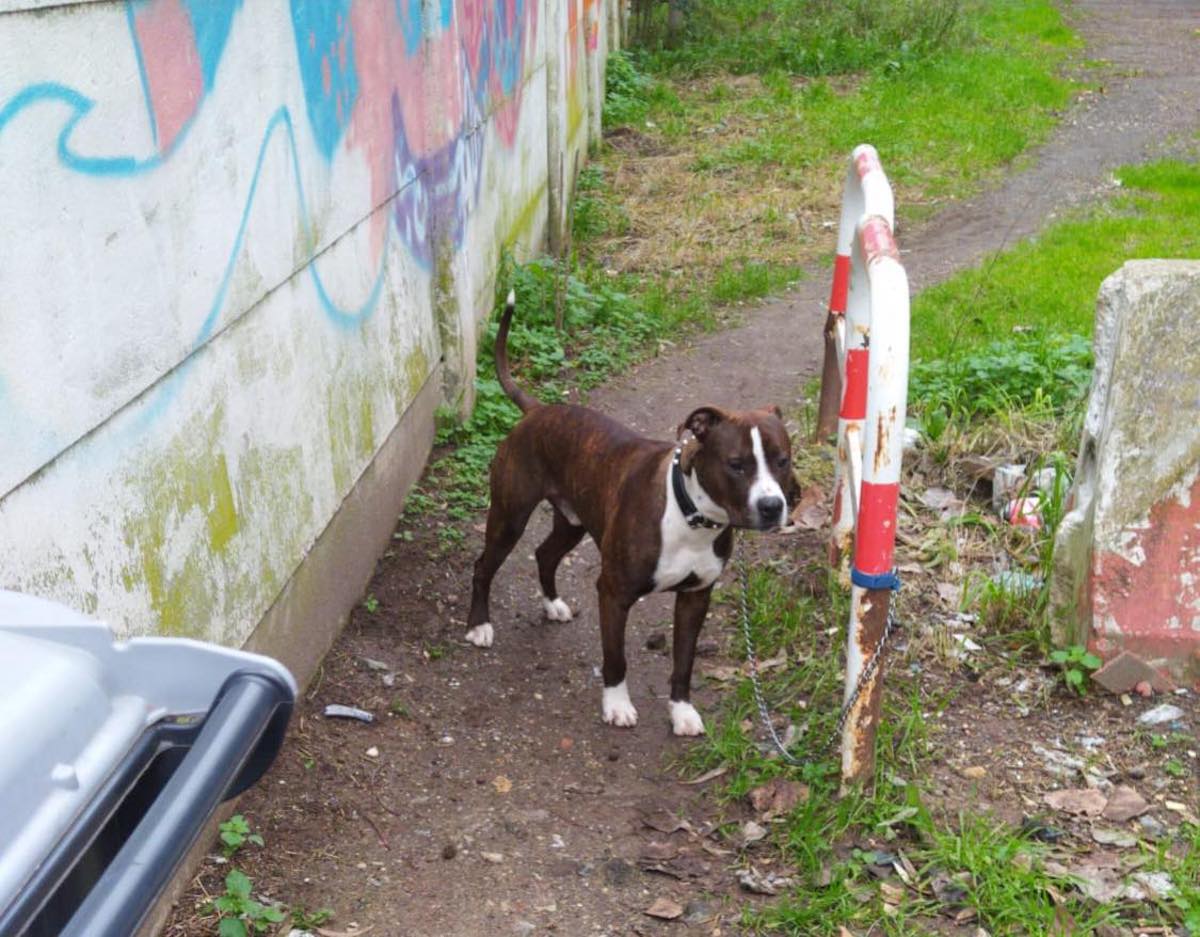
(235, 833)
(371, 604)
(240, 915)
(310, 920)
(1076, 664)
(809, 37)
(626, 90)
(1045, 372)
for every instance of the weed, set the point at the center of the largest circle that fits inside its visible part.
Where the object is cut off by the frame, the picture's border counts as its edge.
(626, 90)
(240, 915)
(1076, 664)
(371, 604)
(435, 651)
(1045, 373)
(235, 833)
(310, 920)
(399, 708)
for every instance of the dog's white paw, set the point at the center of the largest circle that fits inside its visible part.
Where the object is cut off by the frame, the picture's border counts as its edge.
(685, 720)
(556, 609)
(617, 707)
(481, 635)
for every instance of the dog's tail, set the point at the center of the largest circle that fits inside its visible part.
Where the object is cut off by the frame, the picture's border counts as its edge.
(519, 397)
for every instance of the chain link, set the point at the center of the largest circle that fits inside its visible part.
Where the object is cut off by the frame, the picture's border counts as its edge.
(756, 681)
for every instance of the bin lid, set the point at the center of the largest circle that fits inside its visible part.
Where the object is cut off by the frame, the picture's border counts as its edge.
(73, 704)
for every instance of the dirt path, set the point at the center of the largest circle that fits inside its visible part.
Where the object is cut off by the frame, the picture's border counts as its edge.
(494, 801)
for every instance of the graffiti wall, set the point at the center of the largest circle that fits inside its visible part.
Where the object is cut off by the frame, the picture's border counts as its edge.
(241, 238)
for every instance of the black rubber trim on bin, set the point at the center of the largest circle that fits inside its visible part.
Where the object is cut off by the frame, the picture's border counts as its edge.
(236, 743)
(58, 865)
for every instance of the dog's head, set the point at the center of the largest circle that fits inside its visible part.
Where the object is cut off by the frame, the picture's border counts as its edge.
(743, 461)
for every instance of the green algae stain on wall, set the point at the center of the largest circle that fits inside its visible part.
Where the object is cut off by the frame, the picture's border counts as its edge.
(191, 483)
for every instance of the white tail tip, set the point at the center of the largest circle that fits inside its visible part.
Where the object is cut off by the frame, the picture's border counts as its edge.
(512, 297)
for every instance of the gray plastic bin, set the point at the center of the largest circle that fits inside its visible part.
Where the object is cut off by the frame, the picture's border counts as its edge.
(113, 756)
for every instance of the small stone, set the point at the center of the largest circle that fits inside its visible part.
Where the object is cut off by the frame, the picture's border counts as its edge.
(665, 908)
(657, 641)
(449, 851)
(372, 752)
(524, 928)
(973, 772)
(618, 872)
(1152, 827)
(697, 912)
(1110, 837)
(493, 857)
(708, 647)
(1124, 803)
(614, 755)
(1127, 671)
(566, 743)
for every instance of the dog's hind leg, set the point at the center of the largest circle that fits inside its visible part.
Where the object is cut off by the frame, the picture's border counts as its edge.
(507, 516)
(563, 538)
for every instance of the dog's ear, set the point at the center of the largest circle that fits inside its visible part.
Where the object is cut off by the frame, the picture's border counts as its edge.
(772, 410)
(700, 421)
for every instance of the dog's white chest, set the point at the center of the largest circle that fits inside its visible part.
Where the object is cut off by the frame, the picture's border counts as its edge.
(686, 551)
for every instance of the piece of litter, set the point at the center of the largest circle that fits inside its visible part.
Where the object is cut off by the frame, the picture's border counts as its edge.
(1160, 714)
(374, 664)
(752, 832)
(338, 711)
(763, 883)
(493, 857)
(372, 752)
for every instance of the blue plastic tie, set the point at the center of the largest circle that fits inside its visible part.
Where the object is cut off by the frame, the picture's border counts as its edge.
(883, 581)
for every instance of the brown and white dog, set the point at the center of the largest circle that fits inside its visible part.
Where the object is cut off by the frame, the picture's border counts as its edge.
(662, 515)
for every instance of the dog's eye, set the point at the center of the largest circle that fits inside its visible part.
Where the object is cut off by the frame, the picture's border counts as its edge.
(782, 461)
(736, 465)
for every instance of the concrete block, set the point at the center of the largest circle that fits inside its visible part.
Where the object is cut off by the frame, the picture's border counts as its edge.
(1127, 555)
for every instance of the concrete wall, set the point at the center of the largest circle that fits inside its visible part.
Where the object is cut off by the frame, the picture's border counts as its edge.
(1127, 554)
(246, 250)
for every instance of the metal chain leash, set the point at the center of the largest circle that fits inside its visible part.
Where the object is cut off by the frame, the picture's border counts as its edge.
(756, 681)
(752, 660)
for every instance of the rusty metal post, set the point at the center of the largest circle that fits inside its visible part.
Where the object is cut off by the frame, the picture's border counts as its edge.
(868, 618)
(872, 574)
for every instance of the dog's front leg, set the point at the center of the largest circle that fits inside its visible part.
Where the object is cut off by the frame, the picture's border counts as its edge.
(690, 611)
(616, 705)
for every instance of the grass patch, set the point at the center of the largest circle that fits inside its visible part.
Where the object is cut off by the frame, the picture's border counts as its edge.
(1047, 285)
(747, 127)
(968, 864)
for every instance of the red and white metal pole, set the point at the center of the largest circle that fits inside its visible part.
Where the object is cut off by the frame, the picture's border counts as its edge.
(867, 193)
(872, 574)
(865, 383)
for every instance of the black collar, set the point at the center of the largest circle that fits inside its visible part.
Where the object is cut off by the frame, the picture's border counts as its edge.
(691, 513)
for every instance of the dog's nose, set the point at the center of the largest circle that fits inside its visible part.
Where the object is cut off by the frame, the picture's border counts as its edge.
(770, 508)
